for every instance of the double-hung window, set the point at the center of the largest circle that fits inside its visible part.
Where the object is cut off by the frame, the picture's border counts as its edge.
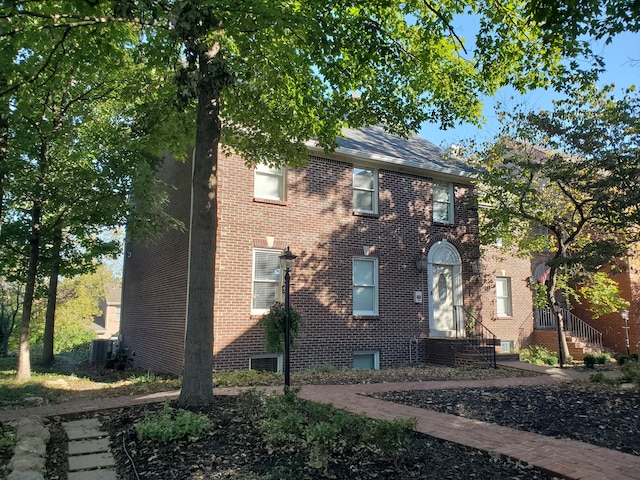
(269, 183)
(365, 286)
(365, 190)
(266, 279)
(503, 296)
(443, 202)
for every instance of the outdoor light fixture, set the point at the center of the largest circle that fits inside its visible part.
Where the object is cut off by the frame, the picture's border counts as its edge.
(476, 266)
(422, 262)
(625, 316)
(286, 263)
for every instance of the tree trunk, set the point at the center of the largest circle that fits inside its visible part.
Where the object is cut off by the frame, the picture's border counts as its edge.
(52, 293)
(197, 382)
(563, 347)
(4, 139)
(24, 361)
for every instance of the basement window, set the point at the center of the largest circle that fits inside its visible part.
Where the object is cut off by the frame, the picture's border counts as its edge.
(266, 363)
(366, 360)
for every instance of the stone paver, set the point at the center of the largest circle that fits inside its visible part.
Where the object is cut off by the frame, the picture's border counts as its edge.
(93, 475)
(82, 447)
(90, 456)
(91, 461)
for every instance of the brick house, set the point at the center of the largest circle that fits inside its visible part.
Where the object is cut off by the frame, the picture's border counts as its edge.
(357, 219)
(508, 310)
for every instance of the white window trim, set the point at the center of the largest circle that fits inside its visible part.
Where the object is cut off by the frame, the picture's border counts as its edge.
(281, 173)
(450, 205)
(375, 285)
(376, 357)
(374, 190)
(508, 297)
(277, 283)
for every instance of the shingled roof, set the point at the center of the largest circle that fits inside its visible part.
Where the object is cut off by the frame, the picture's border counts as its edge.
(375, 145)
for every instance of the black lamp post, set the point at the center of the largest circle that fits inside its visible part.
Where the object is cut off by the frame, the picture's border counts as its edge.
(625, 316)
(286, 262)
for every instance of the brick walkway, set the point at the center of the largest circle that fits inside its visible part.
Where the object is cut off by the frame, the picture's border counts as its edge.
(567, 458)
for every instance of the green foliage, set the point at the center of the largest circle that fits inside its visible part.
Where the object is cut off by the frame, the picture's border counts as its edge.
(321, 431)
(392, 437)
(589, 361)
(170, 425)
(538, 355)
(274, 322)
(564, 182)
(630, 372)
(470, 325)
(245, 378)
(603, 359)
(602, 378)
(7, 440)
(603, 295)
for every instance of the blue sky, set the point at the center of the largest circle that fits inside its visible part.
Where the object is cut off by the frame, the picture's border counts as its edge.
(620, 69)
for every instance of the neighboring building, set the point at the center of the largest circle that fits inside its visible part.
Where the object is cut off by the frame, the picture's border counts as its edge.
(507, 300)
(357, 219)
(508, 310)
(107, 325)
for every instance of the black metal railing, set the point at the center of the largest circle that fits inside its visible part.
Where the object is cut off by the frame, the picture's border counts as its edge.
(480, 338)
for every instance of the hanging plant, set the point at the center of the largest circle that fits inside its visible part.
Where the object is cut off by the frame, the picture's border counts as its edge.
(273, 323)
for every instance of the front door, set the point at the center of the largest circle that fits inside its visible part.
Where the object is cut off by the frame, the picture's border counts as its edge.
(445, 290)
(442, 295)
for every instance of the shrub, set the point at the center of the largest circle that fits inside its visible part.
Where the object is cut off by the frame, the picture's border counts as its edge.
(392, 437)
(538, 356)
(170, 425)
(322, 431)
(589, 361)
(245, 378)
(601, 378)
(603, 359)
(631, 373)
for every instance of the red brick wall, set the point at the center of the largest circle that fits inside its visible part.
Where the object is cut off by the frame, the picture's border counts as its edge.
(519, 326)
(155, 285)
(317, 222)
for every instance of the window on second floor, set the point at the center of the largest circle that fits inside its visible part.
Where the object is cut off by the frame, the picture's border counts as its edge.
(266, 279)
(443, 202)
(503, 296)
(365, 286)
(365, 190)
(269, 183)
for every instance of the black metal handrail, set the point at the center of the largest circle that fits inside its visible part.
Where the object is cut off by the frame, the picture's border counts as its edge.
(477, 335)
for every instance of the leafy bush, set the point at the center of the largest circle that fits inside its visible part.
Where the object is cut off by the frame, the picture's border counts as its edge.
(589, 361)
(321, 431)
(630, 372)
(245, 378)
(392, 437)
(170, 425)
(603, 359)
(601, 378)
(538, 355)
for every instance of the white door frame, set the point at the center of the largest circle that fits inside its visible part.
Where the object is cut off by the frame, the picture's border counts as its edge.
(444, 253)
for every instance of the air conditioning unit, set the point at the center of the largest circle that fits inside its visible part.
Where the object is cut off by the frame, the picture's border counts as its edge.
(101, 350)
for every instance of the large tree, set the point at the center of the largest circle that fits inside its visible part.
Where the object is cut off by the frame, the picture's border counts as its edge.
(267, 76)
(566, 181)
(84, 133)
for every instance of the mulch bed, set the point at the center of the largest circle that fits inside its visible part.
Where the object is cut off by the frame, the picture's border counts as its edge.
(235, 450)
(602, 415)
